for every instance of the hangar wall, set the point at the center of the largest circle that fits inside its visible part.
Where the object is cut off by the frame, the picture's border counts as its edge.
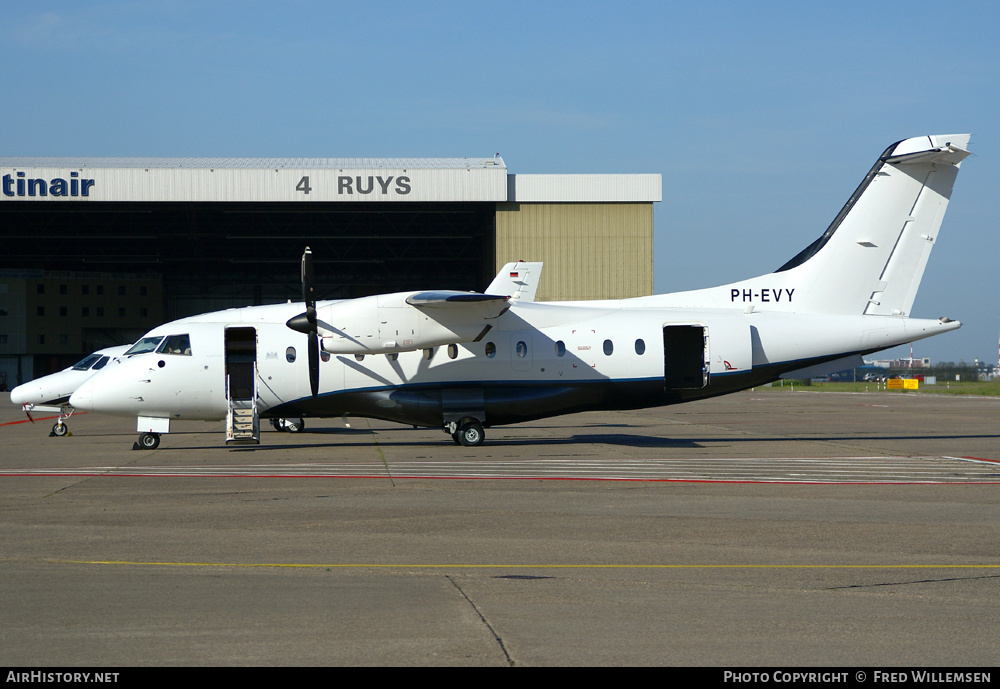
(590, 250)
(170, 237)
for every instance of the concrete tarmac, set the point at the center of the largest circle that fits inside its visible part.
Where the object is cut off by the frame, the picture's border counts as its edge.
(768, 528)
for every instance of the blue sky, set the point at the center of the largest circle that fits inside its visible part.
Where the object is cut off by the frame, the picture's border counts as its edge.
(761, 117)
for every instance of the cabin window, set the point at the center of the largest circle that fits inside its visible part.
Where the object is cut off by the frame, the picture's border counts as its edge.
(145, 345)
(640, 347)
(521, 349)
(176, 344)
(453, 351)
(290, 355)
(491, 350)
(609, 347)
(560, 348)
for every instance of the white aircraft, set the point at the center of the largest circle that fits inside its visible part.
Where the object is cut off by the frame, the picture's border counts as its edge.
(466, 361)
(51, 393)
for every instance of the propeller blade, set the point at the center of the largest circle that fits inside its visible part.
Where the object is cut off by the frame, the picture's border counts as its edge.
(314, 365)
(305, 323)
(308, 287)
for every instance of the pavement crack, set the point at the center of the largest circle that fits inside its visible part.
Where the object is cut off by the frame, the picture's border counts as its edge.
(510, 661)
(381, 454)
(908, 583)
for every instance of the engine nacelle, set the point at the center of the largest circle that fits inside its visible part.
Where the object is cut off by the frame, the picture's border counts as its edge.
(386, 323)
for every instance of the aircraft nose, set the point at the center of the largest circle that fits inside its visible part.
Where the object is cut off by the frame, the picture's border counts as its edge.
(24, 394)
(83, 398)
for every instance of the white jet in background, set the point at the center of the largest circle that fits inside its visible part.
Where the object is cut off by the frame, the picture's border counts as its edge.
(51, 393)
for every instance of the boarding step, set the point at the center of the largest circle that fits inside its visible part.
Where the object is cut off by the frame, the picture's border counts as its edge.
(243, 424)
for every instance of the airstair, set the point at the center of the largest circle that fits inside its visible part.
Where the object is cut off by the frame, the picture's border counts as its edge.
(243, 422)
(242, 419)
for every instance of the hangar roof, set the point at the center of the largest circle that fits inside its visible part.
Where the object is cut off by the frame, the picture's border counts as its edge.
(60, 178)
(106, 162)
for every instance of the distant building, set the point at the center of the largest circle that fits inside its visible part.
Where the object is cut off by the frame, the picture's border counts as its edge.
(48, 319)
(907, 363)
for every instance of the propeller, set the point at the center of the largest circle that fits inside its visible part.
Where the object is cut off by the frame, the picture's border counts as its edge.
(305, 323)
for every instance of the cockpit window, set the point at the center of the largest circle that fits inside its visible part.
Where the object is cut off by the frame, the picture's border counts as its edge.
(85, 364)
(102, 363)
(176, 344)
(145, 345)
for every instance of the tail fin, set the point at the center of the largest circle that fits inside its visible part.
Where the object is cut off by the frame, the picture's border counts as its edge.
(872, 257)
(517, 280)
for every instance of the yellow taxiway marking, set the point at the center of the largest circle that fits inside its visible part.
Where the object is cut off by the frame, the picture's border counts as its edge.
(365, 565)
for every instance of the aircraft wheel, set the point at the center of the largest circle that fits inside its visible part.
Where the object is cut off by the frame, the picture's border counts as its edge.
(293, 425)
(472, 434)
(60, 429)
(456, 437)
(149, 441)
(277, 425)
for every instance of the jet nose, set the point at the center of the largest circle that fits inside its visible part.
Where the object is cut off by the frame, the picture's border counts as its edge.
(23, 394)
(83, 398)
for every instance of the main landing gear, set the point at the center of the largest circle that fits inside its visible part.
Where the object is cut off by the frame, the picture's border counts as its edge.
(288, 425)
(147, 441)
(467, 432)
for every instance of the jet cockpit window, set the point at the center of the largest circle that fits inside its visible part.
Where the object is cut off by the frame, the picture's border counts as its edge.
(145, 345)
(102, 363)
(87, 363)
(176, 344)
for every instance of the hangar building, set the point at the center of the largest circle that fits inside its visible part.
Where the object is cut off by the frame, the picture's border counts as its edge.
(98, 250)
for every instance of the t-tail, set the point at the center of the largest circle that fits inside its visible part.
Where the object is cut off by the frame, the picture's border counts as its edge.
(872, 256)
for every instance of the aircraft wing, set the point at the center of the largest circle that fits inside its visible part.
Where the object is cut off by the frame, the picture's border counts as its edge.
(450, 298)
(481, 305)
(518, 280)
